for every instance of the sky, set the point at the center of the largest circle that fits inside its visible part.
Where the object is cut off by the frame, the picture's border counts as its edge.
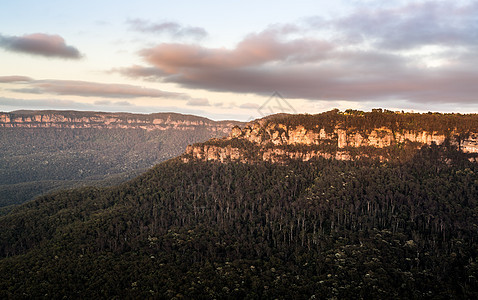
(239, 59)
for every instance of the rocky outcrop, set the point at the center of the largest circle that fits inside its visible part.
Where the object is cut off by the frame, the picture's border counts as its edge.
(273, 141)
(75, 119)
(210, 152)
(280, 134)
(470, 144)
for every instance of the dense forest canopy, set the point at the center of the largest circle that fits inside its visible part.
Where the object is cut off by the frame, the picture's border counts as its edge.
(377, 118)
(36, 160)
(320, 229)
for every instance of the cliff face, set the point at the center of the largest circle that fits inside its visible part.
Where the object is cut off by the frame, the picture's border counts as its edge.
(75, 119)
(274, 141)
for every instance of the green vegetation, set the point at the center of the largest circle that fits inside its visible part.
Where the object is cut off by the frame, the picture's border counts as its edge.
(367, 121)
(34, 161)
(322, 229)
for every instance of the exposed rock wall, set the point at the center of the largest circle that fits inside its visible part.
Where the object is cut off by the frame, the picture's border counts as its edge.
(209, 152)
(280, 134)
(275, 141)
(161, 121)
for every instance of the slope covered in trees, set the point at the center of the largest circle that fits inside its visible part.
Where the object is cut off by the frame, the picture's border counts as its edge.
(49, 150)
(318, 229)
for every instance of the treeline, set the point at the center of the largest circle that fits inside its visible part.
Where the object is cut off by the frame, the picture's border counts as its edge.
(367, 121)
(322, 229)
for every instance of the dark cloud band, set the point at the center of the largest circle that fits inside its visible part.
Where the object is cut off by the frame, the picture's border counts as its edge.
(40, 44)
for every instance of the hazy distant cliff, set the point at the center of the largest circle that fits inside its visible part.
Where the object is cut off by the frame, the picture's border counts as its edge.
(41, 151)
(76, 119)
(340, 135)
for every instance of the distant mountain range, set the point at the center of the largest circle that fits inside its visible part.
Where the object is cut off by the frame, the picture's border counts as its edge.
(43, 151)
(82, 119)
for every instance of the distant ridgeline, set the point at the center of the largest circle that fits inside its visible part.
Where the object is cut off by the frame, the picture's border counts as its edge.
(41, 151)
(341, 135)
(80, 119)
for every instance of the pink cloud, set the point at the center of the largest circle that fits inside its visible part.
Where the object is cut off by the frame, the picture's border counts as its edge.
(256, 49)
(40, 44)
(14, 78)
(93, 89)
(360, 62)
(344, 75)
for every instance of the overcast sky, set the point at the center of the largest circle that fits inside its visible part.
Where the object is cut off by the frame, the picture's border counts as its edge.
(239, 59)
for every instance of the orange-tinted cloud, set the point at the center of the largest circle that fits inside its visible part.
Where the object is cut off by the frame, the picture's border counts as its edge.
(40, 44)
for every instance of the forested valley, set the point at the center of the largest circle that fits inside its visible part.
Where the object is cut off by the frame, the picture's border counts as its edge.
(34, 161)
(323, 229)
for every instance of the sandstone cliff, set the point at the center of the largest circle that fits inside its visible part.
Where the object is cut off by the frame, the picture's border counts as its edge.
(76, 119)
(338, 135)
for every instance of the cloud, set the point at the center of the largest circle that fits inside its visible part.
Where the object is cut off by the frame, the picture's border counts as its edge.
(249, 106)
(148, 73)
(172, 28)
(413, 25)
(103, 102)
(93, 89)
(12, 104)
(198, 102)
(255, 49)
(40, 44)
(41, 103)
(14, 78)
(111, 103)
(337, 83)
(374, 54)
(122, 103)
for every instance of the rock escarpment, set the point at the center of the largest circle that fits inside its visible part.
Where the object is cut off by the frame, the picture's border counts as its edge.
(343, 136)
(77, 119)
